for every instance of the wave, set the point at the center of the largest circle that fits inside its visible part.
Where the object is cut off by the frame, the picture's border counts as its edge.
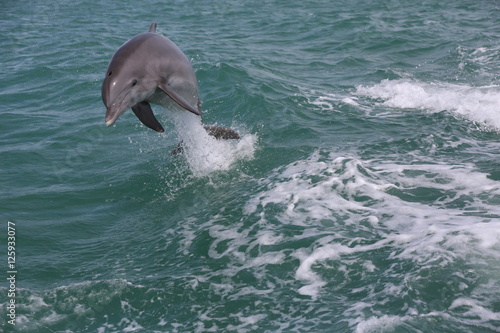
(478, 104)
(435, 224)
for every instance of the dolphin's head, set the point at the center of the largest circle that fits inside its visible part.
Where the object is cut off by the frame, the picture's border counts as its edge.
(126, 82)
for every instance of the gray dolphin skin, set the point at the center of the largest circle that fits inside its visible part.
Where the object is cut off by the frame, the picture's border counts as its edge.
(150, 68)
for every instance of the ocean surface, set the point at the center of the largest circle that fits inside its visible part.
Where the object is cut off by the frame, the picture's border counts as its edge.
(363, 195)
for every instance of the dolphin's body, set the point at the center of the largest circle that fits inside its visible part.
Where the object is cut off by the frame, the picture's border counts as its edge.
(150, 68)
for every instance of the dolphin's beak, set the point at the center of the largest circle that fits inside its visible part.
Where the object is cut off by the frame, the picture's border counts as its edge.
(110, 120)
(112, 113)
(117, 108)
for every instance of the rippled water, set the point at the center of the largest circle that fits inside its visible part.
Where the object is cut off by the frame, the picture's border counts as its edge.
(364, 195)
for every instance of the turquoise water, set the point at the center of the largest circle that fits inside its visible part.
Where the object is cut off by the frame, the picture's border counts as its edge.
(363, 196)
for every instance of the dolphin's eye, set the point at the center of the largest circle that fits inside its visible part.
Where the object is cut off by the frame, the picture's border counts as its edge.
(109, 73)
(134, 83)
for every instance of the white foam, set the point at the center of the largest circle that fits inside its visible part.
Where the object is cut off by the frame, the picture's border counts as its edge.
(305, 272)
(485, 60)
(381, 324)
(319, 226)
(251, 320)
(479, 104)
(318, 200)
(132, 325)
(269, 238)
(473, 308)
(52, 307)
(204, 153)
(327, 100)
(368, 196)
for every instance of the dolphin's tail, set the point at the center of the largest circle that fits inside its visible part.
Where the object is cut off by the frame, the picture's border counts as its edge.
(221, 132)
(217, 132)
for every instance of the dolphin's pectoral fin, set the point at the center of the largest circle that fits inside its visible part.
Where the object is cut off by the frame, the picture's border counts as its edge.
(152, 27)
(178, 98)
(221, 132)
(143, 111)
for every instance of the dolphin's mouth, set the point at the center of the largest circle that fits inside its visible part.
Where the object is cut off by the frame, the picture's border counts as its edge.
(110, 122)
(116, 109)
(112, 115)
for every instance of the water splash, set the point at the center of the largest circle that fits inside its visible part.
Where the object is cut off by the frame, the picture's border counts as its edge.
(205, 154)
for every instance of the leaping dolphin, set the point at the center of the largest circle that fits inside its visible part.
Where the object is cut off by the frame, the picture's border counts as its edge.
(150, 68)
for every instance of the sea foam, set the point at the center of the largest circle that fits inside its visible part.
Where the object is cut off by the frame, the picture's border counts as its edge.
(478, 104)
(374, 199)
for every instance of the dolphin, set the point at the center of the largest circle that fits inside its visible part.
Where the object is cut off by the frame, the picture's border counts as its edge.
(150, 68)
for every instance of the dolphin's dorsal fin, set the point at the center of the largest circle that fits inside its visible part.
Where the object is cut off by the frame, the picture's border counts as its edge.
(152, 27)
